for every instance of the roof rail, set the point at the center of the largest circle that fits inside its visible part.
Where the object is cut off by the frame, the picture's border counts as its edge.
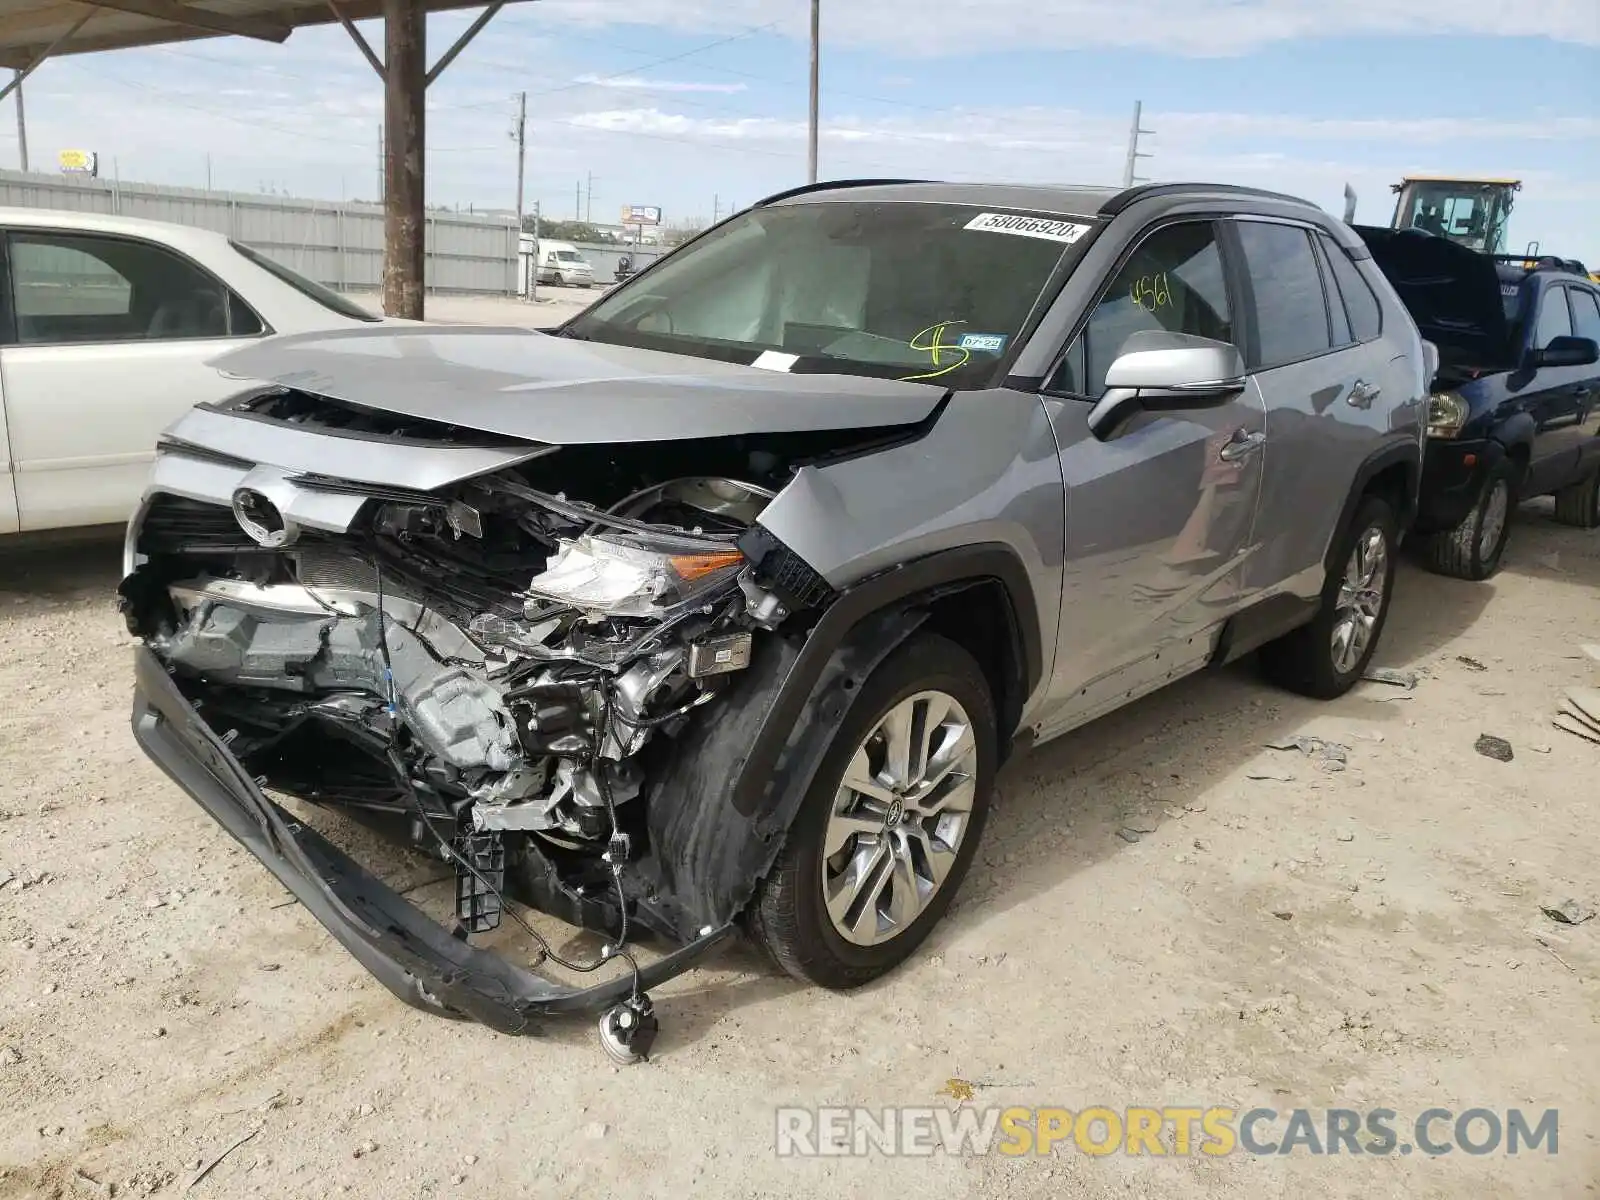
(829, 184)
(1129, 196)
(1542, 262)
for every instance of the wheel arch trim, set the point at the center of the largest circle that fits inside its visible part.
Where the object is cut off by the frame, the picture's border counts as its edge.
(918, 582)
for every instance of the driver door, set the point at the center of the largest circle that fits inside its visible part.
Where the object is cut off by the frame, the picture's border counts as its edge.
(1159, 520)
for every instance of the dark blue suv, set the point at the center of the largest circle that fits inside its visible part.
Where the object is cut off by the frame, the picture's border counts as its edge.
(1515, 406)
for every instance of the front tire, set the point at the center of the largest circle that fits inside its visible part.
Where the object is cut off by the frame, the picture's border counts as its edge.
(1578, 504)
(890, 824)
(1473, 549)
(1325, 658)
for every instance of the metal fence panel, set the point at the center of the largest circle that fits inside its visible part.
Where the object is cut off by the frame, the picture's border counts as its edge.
(338, 244)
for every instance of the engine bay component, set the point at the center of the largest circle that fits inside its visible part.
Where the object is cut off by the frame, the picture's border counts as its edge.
(720, 655)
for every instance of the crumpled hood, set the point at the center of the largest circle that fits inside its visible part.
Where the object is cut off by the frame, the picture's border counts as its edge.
(522, 383)
(1452, 293)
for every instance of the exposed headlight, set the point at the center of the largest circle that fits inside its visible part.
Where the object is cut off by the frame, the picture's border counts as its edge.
(1447, 413)
(620, 579)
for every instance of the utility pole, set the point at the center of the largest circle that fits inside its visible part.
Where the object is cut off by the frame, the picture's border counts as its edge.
(716, 207)
(816, 53)
(1134, 154)
(22, 121)
(208, 171)
(588, 200)
(521, 134)
(577, 200)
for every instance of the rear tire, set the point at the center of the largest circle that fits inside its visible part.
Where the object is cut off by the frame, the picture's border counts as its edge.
(863, 938)
(1325, 658)
(1473, 549)
(1578, 504)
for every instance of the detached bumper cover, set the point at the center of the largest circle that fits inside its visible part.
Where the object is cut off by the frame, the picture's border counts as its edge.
(412, 955)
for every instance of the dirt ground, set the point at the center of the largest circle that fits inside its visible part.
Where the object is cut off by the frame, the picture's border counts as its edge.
(1359, 939)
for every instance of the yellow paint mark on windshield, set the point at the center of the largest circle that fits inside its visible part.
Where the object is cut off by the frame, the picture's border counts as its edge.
(931, 342)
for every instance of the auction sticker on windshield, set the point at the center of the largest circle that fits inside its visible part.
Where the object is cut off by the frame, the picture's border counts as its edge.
(1038, 227)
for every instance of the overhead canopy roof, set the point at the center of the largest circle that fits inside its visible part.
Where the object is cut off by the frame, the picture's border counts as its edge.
(33, 29)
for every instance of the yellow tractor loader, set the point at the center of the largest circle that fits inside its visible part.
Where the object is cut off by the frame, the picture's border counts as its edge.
(1473, 213)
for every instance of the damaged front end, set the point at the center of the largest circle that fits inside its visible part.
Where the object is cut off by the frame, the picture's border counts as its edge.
(544, 665)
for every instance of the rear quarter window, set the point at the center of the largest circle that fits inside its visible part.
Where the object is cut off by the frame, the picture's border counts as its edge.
(1360, 301)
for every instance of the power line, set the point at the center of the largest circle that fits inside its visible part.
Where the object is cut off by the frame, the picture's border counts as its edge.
(602, 80)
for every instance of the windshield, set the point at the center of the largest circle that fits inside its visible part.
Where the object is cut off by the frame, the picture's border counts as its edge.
(568, 256)
(326, 297)
(898, 290)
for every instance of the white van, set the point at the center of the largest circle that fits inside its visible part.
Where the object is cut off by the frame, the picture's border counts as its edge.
(560, 262)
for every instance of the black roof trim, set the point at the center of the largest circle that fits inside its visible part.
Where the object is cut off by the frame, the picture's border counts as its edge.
(1542, 262)
(828, 186)
(1128, 196)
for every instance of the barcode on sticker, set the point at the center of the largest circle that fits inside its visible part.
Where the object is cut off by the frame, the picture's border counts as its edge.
(1048, 228)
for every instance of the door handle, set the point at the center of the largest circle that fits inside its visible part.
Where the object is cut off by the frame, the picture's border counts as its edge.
(1362, 394)
(1241, 446)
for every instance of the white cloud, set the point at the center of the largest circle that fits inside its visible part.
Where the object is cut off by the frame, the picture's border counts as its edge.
(1198, 28)
(1065, 130)
(635, 83)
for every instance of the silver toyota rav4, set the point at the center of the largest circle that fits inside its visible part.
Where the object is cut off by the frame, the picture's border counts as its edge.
(719, 606)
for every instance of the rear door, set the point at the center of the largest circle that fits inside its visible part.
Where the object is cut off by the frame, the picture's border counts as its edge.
(108, 345)
(1328, 380)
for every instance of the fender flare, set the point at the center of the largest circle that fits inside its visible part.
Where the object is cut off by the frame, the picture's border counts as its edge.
(721, 806)
(939, 574)
(1407, 453)
(1515, 432)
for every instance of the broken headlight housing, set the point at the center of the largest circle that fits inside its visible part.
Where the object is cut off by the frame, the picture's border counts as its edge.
(642, 576)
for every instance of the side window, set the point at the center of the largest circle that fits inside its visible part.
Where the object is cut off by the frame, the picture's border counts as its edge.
(1554, 320)
(1585, 313)
(71, 288)
(1360, 301)
(1173, 281)
(1291, 314)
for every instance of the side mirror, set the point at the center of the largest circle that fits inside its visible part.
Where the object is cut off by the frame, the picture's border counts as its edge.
(1164, 372)
(1430, 360)
(1567, 352)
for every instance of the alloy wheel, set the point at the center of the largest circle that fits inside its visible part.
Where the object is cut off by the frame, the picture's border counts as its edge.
(898, 818)
(1360, 601)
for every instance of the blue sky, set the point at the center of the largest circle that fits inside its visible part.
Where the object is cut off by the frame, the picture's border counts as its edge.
(692, 103)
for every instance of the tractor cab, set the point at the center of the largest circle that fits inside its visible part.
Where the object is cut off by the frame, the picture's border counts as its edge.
(1470, 212)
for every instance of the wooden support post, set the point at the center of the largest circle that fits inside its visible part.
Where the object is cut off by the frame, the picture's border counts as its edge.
(405, 83)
